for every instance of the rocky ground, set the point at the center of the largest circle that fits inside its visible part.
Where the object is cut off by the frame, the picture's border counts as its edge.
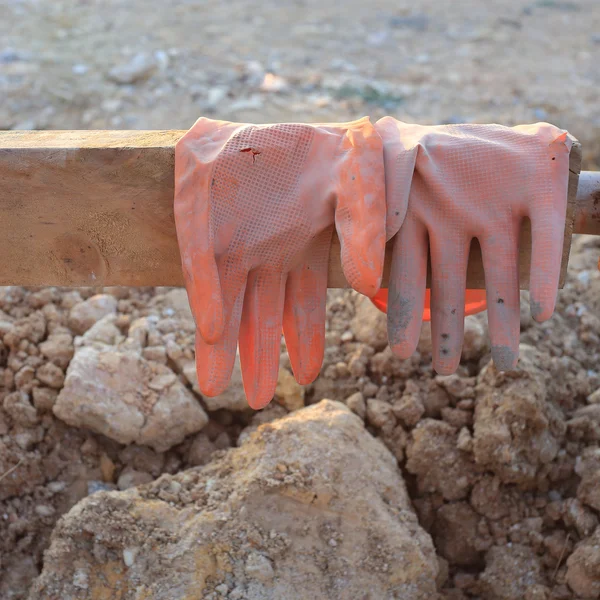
(381, 479)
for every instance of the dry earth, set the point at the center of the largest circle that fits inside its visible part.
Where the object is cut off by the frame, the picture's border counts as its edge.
(479, 485)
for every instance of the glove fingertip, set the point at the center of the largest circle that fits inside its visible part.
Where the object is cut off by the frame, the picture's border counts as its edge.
(258, 399)
(209, 387)
(541, 311)
(211, 324)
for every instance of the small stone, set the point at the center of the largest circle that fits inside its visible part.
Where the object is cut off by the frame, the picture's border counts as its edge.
(51, 375)
(215, 96)
(417, 22)
(222, 589)
(456, 417)
(583, 567)
(409, 409)
(356, 403)
(104, 331)
(155, 353)
(259, 567)
(83, 315)
(200, 450)
(81, 579)
(288, 391)
(594, 397)
(99, 486)
(44, 398)
(379, 413)
(465, 440)
(254, 102)
(143, 458)
(456, 535)
(80, 69)
(140, 67)
(434, 400)
(24, 378)
(129, 555)
(369, 324)
(19, 409)
(433, 456)
(370, 389)
(131, 478)
(107, 391)
(107, 468)
(55, 487)
(44, 510)
(58, 348)
(510, 572)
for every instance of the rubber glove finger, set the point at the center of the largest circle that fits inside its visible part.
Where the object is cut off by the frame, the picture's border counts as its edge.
(196, 245)
(500, 256)
(408, 280)
(214, 362)
(260, 336)
(399, 155)
(547, 234)
(449, 260)
(305, 311)
(548, 216)
(360, 214)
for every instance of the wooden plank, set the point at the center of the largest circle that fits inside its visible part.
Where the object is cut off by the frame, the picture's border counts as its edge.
(90, 208)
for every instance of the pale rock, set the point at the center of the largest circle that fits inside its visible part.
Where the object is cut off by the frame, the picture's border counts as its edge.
(229, 523)
(84, 314)
(108, 391)
(58, 348)
(105, 331)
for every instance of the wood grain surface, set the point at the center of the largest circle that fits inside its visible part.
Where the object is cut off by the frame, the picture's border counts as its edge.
(90, 208)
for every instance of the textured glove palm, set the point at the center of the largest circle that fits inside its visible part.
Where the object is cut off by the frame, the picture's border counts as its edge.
(472, 181)
(255, 209)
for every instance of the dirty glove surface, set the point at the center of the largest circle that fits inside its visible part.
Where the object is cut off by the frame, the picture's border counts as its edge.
(474, 181)
(255, 209)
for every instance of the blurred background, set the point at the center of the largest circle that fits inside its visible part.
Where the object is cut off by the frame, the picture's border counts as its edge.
(160, 65)
(503, 472)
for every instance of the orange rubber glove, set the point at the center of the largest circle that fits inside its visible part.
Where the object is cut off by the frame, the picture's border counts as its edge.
(255, 209)
(474, 181)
